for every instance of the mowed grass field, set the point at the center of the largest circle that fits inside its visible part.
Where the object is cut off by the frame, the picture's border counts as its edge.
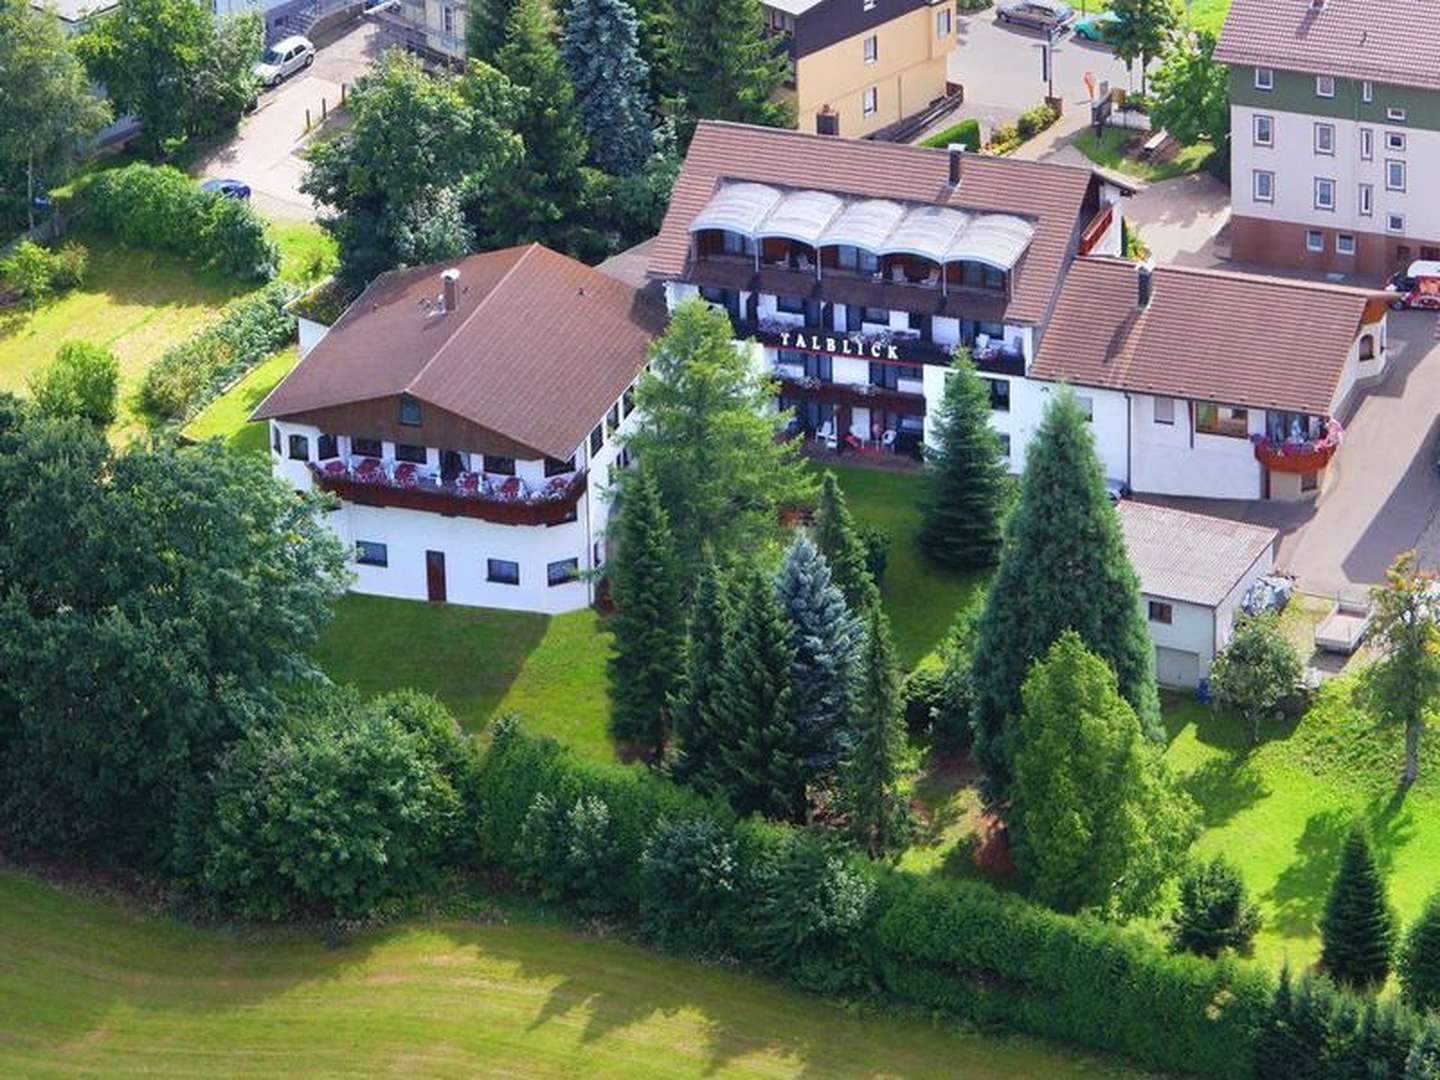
(89, 987)
(228, 416)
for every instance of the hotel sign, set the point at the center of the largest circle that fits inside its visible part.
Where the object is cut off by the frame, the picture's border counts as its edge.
(849, 345)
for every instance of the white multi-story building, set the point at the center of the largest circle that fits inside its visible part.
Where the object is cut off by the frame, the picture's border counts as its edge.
(466, 416)
(1335, 132)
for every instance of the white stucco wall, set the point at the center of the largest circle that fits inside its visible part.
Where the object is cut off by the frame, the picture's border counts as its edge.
(1168, 461)
(1028, 399)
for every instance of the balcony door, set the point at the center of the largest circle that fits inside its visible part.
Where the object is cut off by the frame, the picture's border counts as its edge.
(435, 576)
(452, 464)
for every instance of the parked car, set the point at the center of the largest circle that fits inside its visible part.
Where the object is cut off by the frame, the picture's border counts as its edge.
(1097, 27)
(283, 59)
(226, 188)
(1047, 15)
(1417, 286)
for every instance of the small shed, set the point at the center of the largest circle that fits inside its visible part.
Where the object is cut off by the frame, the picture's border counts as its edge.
(1194, 570)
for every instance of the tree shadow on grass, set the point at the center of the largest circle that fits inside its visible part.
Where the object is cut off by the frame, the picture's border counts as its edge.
(1224, 787)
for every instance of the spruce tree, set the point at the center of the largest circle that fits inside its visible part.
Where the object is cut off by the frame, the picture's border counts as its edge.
(1423, 1061)
(1358, 928)
(1213, 913)
(879, 814)
(648, 623)
(1277, 1045)
(723, 66)
(536, 198)
(966, 485)
(755, 709)
(697, 760)
(485, 22)
(839, 541)
(1064, 567)
(825, 640)
(600, 49)
(1420, 960)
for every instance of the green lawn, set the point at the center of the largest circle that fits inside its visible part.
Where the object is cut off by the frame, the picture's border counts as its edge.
(1108, 151)
(228, 415)
(89, 987)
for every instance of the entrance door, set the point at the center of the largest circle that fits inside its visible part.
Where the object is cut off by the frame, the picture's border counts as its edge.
(435, 576)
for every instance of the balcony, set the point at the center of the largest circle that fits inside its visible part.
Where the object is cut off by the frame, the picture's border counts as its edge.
(856, 395)
(1309, 456)
(503, 501)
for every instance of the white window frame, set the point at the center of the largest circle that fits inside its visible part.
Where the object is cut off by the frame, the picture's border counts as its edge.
(1324, 183)
(1391, 164)
(1395, 223)
(944, 23)
(1345, 243)
(1263, 175)
(1325, 86)
(1367, 144)
(870, 101)
(1087, 406)
(1367, 91)
(1269, 123)
(1315, 241)
(1366, 203)
(1395, 114)
(1326, 145)
(1395, 141)
(868, 5)
(1264, 78)
(1165, 415)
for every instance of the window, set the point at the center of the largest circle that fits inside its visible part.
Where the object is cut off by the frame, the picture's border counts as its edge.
(562, 572)
(875, 315)
(1324, 86)
(556, 467)
(1367, 91)
(999, 395)
(627, 401)
(597, 439)
(867, 5)
(1314, 240)
(366, 448)
(1367, 200)
(1395, 140)
(1394, 175)
(622, 459)
(1367, 347)
(943, 23)
(1325, 138)
(328, 447)
(502, 571)
(1226, 420)
(1367, 144)
(1345, 244)
(500, 466)
(733, 243)
(275, 437)
(612, 418)
(1164, 410)
(407, 452)
(369, 553)
(791, 305)
(872, 49)
(299, 448)
(409, 410)
(1395, 113)
(1264, 186)
(871, 101)
(1087, 406)
(1395, 222)
(1324, 193)
(1161, 612)
(1264, 79)
(1264, 130)
(1005, 445)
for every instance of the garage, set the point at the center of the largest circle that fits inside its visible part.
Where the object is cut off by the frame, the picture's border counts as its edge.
(1176, 667)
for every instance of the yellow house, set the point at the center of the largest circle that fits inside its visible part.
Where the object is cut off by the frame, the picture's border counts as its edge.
(860, 65)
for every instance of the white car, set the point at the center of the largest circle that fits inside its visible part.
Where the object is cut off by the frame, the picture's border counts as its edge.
(283, 59)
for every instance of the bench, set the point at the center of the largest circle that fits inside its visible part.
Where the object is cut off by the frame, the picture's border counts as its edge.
(1153, 144)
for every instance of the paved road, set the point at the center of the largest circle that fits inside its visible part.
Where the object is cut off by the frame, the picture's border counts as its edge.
(265, 152)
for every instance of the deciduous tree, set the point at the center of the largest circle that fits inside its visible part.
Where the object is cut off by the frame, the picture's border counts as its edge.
(82, 381)
(1358, 928)
(1142, 30)
(843, 546)
(600, 46)
(1192, 92)
(879, 815)
(1256, 671)
(1403, 686)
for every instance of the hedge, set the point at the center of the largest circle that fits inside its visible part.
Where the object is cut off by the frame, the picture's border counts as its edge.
(967, 133)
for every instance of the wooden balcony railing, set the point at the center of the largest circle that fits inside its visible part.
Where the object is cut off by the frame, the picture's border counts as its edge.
(551, 505)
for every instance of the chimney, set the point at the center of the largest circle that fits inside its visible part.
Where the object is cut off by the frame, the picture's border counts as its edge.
(450, 280)
(957, 157)
(1145, 282)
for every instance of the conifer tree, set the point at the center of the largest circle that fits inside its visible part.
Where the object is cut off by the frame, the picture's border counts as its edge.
(1277, 1045)
(1358, 928)
(879, 814)
(1064, 567)
(600, 50)
(485, 28)
(755, 709)
(648, 623)
(723, 66)
(839, 541)
(1420, 960)
(1423, 1062)
(698, 758)
(966, 486)
(825, 640)
(535, 199)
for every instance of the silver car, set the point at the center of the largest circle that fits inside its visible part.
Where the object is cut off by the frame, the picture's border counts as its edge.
(283, 59)
(1047, 15)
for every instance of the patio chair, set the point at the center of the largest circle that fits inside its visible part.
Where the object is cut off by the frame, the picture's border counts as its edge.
(826, 434)
(887, 440)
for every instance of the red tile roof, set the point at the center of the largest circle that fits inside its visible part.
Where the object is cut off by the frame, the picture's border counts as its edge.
(538, 348)
(1054, 195)
(1207, 335)
(1386, 41)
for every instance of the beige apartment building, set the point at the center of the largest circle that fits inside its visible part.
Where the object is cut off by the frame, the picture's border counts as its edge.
(860, 65)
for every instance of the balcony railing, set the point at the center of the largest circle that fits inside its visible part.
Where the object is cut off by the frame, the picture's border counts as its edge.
(1308, 456)
(856, 395)
(503, 500)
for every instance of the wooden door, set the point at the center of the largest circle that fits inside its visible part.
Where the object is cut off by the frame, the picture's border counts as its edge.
(435, 576)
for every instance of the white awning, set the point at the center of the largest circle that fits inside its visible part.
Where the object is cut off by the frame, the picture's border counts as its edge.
(996, 240)
(865, 224)
(801, 216)
(926, 231)
(738, 208)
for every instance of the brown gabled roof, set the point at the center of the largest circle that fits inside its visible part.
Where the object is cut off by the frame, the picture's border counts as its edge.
(1207, 335)
(1385, 41)
(1053, 195)
(1194, 558)
(538, 348)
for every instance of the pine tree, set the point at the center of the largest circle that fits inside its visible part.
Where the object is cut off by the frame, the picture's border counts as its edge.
(879, 814)
(1387, 1032)
(1423, 1062)
(485, 22)
(966, 486)
(698, 758)
(600, 50)
(723, 66)
(1420, 960)
(839, 541)
(648, 622)
(1358, 928)
(1064, 567)
(535, 199)
(1277, 1045)
(825, 640)
(755, 708)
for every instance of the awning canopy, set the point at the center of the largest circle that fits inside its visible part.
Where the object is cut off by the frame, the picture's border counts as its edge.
(866, 224)
(997, 240)
(738, 208)
(801, 216)
(926, 231)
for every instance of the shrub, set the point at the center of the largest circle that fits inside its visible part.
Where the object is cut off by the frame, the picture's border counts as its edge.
(570, 852)
(1214, 913)
(690, 886)
(1256, 671)
(71, 266)
(1420, 960)
(923, 695)
(1004, 138)
(953, 723)
(83, 381)
(36, 273)
(1035, 120)
(876, 541)
(160, 208)
(966, 133)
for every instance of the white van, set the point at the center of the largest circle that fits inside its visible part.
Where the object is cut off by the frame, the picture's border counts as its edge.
(283, 59)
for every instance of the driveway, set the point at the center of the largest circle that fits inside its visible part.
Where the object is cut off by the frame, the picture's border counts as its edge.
(265, 152)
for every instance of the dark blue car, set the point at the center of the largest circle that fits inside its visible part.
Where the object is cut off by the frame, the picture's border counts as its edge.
(228, 189)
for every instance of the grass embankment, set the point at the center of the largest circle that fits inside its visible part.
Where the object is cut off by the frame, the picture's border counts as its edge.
(1111, 148)
(87, 986)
